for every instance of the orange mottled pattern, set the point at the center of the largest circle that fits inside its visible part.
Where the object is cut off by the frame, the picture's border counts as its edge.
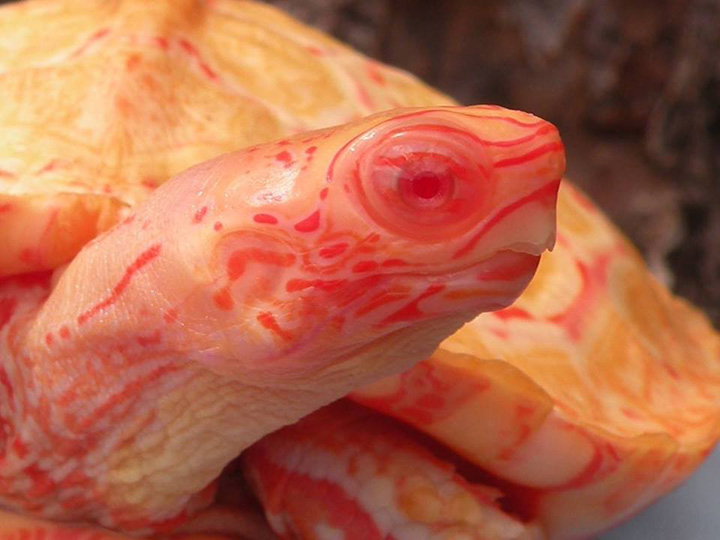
(344, 472)
(597, 391)
(252, 289)
(126, 94)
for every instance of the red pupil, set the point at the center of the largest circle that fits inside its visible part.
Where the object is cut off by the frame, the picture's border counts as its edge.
(426, 185)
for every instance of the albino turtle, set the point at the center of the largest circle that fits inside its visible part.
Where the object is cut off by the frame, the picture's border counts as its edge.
(255, 288)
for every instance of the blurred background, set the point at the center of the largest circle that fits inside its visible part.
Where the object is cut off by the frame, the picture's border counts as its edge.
(633, 85)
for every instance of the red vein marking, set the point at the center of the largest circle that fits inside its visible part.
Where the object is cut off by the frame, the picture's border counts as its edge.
(394, 262)
(200, 214)
(310, 223)
(161, 42)
(5, 207)
(594, 279)
(379, 300)
(530, 156)
(95, 37)
(375, 75)
(364, 95)
(238, 259)
(151, 339)
(192, 51)
(265, 218)
(513, 313)
(50, 166)
(523, 265)
(364, 266)
(333, 251)
(7, 309)
(145, 258)
(217, 226)
(236, 266)
(603, 462)
(539, 194)
(357, 289)
(64, 332)
(268, 321)
(5, 382)
(130, 390)
(547, 128)
(6, 174)
(323, 194)
(411, 311)
(513, 121)
(223, 299)
(42, 484)
(311, 150)
(286, 158)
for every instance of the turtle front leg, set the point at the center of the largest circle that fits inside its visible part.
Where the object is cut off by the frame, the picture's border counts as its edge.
(252, 290)
(15, 527)
(346, 472)
(215, 524)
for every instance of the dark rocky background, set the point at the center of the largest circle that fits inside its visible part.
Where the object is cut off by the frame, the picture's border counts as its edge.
(633, 85)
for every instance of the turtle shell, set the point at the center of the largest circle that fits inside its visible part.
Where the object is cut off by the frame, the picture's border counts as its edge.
(118, 97)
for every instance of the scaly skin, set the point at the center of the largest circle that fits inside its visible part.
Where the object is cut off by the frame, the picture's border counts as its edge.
(347, 473)
(592, 396)
(253, 289)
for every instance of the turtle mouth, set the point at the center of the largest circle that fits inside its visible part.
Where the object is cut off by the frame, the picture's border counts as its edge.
(502, 266)
(490, 284)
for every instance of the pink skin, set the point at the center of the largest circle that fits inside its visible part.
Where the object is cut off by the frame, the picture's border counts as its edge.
(253, 289)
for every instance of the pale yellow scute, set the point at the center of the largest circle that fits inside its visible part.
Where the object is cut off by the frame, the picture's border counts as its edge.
(122, 95)
(606, 341)
(38, 231)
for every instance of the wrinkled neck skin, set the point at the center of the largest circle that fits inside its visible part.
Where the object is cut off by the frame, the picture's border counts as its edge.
(244, 294)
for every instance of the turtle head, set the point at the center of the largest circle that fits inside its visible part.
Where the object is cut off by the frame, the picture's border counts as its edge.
(387, 234)
(254, 288)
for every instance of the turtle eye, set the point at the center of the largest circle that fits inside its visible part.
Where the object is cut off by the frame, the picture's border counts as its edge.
(426, 188)
(424, 181)
(420, 181)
